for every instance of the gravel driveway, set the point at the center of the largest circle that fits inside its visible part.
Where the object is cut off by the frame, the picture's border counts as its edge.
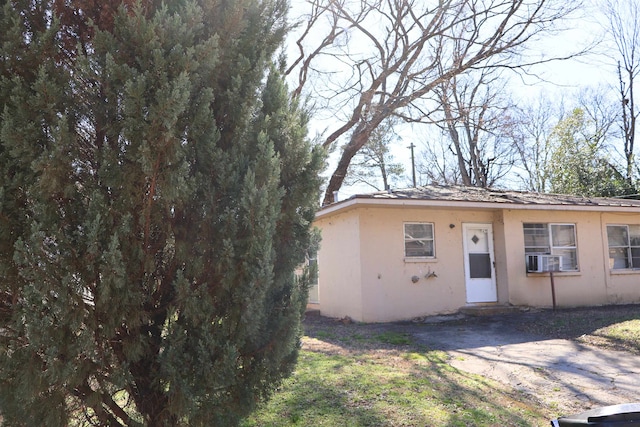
(565, 374)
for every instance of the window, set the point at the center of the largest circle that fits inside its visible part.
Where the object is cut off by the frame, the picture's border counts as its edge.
(312, 262)
(418, 240)
(554, 239)
(624, 246)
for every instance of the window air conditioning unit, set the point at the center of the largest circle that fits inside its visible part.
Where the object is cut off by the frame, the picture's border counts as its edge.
(543, 263)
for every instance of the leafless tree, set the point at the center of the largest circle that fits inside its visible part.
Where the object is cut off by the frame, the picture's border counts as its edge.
(539, 127)
(476, 118)
(600, 113)
(437, 164)
(374, 58)
(532, 140)
(623, 25)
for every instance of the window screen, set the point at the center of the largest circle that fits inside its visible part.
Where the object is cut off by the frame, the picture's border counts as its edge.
(554, 239)
(418, 240)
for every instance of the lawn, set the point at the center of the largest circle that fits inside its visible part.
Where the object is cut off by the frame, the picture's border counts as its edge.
(353, 376)
(356, 375)
(612, 327)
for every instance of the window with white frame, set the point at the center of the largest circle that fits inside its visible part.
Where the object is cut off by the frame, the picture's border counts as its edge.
(624, 246)
(418, 240)
(554, 239)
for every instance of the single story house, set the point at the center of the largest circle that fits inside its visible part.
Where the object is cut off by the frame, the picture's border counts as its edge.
(402, 254)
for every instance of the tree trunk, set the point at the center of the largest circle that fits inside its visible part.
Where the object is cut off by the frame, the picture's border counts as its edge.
(455, 138)
(628, 108)
(359, 138)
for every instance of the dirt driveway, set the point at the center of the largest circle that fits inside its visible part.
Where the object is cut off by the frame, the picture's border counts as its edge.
(563, 373)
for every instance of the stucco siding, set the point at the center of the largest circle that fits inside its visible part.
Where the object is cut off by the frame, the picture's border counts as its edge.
(622, 286)
(339, 259)
(388, 291)
(364, 274)
(501, 256)
(583, 287)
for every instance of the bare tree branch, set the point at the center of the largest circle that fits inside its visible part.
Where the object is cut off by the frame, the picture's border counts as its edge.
(531, 136)
(623, 27)
(404, 49)
(475, 117)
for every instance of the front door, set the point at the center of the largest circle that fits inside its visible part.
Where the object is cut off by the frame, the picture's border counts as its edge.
(479, 268)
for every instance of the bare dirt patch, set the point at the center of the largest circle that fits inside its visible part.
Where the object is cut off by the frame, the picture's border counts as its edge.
(347, 338)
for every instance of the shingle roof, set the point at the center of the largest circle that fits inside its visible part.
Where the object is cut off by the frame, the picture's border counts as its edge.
(475, 194)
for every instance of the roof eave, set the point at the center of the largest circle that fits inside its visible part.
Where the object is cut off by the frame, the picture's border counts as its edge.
(360, 201)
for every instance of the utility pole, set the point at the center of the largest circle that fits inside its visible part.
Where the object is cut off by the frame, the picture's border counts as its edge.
(413, 164)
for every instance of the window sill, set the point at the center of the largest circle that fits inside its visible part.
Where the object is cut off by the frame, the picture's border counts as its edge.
(555, 274)
(624, 271)
(420, 259)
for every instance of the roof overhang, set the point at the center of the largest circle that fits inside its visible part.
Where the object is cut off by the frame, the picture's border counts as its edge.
(357, 202)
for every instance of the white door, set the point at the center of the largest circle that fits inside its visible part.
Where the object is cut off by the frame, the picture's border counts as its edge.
(479, 269)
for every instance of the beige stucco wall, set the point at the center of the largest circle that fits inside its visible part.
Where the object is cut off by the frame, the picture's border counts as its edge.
(363, 273)
(622, 286)
(583, 287)
(339, 258)
(594, 284)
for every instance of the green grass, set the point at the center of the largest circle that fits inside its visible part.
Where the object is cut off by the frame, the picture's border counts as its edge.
(358, 376)
(628, 331)
(616, 327)
(394, 338)
(623, 335)
(346, 383)
(326, 334)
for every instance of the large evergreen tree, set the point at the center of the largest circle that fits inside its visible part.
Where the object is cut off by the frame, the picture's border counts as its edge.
(156, 196)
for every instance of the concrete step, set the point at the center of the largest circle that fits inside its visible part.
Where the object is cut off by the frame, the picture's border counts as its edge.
(312, 312)
(490, 309)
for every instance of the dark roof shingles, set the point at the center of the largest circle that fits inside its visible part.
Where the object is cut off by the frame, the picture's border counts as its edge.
(475, 194)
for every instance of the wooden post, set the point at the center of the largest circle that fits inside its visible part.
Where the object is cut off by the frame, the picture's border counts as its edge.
(553, 290)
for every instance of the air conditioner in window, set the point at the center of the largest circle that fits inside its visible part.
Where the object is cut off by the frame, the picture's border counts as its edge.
(543, 263)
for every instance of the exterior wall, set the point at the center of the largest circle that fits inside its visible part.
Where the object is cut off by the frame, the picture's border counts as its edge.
(501, 257)
(622, 286)
(593, 284)
(387, 292)
(339, 259)
(363, 272)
